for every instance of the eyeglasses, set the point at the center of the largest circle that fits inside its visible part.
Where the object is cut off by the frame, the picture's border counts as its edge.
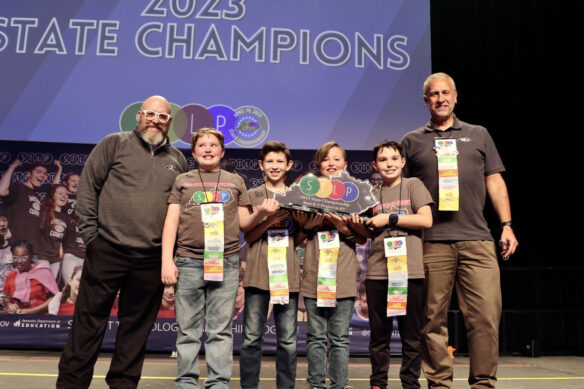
(20, 259)
(150, 115)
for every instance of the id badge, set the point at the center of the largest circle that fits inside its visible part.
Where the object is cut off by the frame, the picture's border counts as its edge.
(212, 217)
(328, 239)
(397, 275)
(278, 237)
(212, 212)
(448, 187)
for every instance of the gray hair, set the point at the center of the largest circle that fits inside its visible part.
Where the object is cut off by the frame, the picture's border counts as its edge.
(436, 76)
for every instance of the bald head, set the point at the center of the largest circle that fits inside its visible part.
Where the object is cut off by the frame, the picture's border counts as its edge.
(153, 130)
(159, 102)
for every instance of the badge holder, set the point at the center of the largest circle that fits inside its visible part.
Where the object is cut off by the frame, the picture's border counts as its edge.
(448, 188)
(397, 275)
(213, 224)
(326, 288)
(277, 266)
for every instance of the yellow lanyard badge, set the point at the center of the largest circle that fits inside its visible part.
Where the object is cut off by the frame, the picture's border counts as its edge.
(326, 287)
(212, 218)
(277, 266)
(448, 193)
(397, 275)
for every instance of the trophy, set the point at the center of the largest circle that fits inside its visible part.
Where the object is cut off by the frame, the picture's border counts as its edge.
(341, 195)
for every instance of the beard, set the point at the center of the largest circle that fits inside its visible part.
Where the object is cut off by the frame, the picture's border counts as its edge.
(154, 139)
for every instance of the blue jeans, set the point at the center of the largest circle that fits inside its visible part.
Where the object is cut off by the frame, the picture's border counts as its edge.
(196, 302)
(333, 322)
(256, 306)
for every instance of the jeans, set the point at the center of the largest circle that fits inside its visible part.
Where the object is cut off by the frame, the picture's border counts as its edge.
(256, 306)
(333, 322)
(196, 302)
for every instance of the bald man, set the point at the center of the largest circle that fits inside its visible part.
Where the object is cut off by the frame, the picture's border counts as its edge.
(121, 204)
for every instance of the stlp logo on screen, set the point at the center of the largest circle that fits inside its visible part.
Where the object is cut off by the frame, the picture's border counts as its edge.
(245, 126)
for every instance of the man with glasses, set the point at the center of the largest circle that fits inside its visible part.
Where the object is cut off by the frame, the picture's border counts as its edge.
(121, 204)
(459, 164)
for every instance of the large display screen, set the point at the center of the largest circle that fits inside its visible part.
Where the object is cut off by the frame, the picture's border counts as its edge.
(299, 71)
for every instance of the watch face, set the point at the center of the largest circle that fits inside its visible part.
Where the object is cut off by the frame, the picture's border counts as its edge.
(393, 219)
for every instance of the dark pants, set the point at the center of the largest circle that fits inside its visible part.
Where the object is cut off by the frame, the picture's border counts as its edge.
(107, 269)
(382, 327)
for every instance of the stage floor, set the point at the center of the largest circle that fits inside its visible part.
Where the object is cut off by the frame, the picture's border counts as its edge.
(38, 369)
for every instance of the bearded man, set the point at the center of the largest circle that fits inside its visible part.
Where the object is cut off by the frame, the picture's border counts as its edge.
(121, 204)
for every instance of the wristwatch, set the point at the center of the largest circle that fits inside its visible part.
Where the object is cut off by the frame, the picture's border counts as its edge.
(507, 223)
(393, 220)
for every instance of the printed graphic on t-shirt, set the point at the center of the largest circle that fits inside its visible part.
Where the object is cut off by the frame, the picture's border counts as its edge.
(35, 205)
(202, 194)
(58, 229)
(399, 207)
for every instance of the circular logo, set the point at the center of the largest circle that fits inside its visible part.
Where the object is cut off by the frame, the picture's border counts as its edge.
(190, 119)
(251, 127)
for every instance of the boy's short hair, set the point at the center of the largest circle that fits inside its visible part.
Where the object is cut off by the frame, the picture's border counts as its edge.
(323, 151)
(36, 164)
(207, 131)
(389, 144)
(276, 147)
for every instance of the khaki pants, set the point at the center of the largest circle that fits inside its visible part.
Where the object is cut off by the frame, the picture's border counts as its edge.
(472, 267)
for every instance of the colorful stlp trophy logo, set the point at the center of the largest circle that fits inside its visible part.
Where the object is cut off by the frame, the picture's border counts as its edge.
(341, 195)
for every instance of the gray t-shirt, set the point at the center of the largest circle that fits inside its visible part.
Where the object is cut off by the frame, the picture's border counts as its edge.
(256, 269)
(188, 191)
(404, 199)
(477, 158)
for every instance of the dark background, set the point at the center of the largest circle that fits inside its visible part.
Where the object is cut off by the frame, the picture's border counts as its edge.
(517, 67)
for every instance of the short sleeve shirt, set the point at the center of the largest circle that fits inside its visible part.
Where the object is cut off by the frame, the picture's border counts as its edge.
(51, 236)
(189, 191)
(477, 158)
(347, 267)
(404, 199)
(256, 269)
(23, 209)
(73, 242)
